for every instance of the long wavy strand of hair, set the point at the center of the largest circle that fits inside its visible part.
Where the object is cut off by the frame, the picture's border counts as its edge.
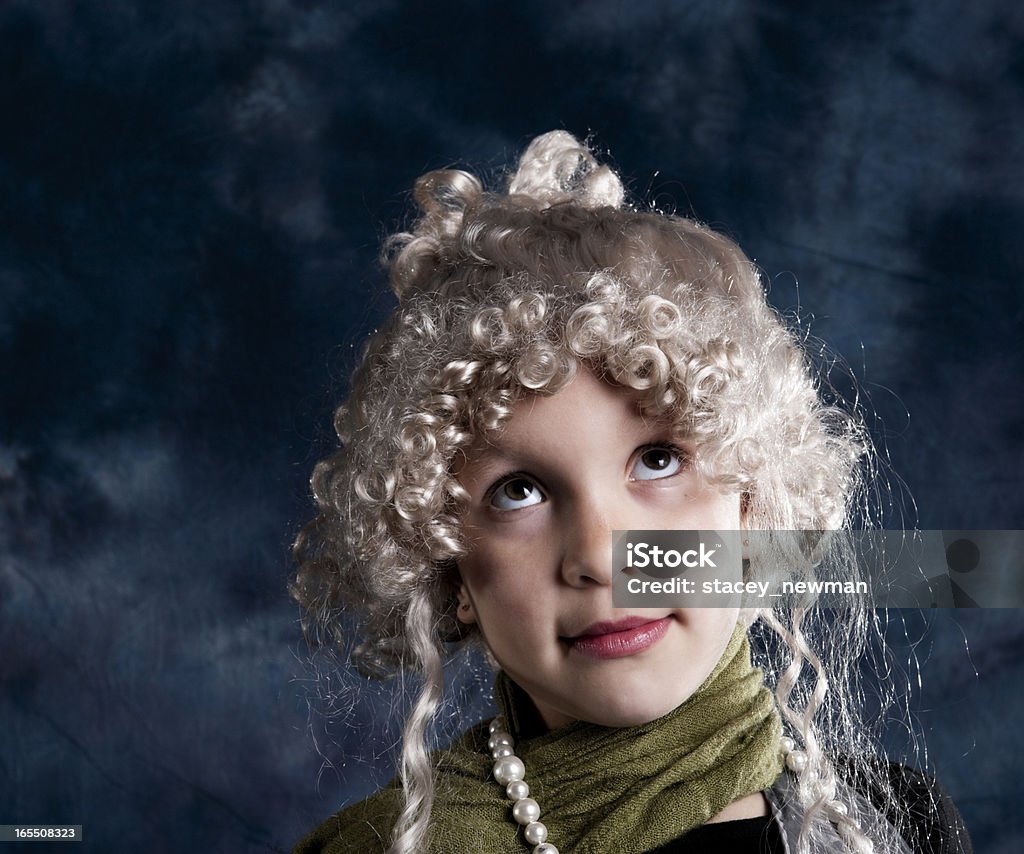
(417, 772)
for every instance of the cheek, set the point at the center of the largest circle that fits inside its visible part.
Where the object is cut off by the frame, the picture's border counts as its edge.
(719, 511)
(497, 580)
(708, 623)
(714, 626)
(704, 509)
(504, 553)
(507, 585)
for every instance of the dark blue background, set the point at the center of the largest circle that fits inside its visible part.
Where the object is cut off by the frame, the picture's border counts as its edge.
(192, 195)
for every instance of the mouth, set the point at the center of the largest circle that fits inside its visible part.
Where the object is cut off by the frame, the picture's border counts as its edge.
(619, 639)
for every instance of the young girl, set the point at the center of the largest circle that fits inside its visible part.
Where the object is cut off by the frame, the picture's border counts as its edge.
(560, 366)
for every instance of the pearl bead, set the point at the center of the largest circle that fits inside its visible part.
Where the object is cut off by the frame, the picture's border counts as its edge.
(526, 810)
(839, 807)
(509, 768)
(797, 761)
(788, 745)
(535, 833)
(517, 789)
(499, 739)
(509, 771)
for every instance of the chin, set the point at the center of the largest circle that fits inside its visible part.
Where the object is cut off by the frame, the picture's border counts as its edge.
(628, 714)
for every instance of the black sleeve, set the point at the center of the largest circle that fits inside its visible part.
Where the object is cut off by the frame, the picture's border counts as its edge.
(923, 812)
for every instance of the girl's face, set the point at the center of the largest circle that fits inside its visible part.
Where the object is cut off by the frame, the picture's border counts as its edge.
(545, 495)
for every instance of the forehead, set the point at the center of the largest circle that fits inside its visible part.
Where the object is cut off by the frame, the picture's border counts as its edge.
(583, 398)
(587, 415)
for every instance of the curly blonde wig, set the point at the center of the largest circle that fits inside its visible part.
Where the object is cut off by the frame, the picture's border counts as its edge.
(506, 294)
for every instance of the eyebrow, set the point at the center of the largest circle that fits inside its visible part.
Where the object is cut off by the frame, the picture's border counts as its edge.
(492, 455)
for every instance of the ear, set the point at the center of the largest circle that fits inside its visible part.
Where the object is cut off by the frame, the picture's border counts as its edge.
(466, 613)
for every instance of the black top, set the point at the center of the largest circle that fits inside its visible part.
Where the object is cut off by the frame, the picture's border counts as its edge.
(743, 836)
(935, 823)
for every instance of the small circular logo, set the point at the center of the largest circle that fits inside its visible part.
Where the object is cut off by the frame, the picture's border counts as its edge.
(963, 556)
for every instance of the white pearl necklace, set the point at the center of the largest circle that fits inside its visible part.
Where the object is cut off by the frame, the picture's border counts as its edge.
(796, 761)
(510, 772)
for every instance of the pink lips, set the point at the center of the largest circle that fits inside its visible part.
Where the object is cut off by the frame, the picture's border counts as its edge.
(621, 638)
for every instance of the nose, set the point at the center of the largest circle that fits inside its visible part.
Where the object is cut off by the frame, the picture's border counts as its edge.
(587, 555)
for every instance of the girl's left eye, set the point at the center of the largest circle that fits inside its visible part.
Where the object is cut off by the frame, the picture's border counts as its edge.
(515, 494)
(656, 462)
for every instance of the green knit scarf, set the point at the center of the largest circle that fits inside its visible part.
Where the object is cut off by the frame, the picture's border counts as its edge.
(600, 789)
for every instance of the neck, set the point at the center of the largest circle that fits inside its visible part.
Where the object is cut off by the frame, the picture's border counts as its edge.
(749, 806)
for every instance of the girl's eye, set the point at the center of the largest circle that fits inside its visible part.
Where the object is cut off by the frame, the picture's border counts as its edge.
(657, 462)
(515, 494)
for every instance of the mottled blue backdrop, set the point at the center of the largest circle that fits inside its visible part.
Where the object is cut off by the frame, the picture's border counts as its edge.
(192, 194)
